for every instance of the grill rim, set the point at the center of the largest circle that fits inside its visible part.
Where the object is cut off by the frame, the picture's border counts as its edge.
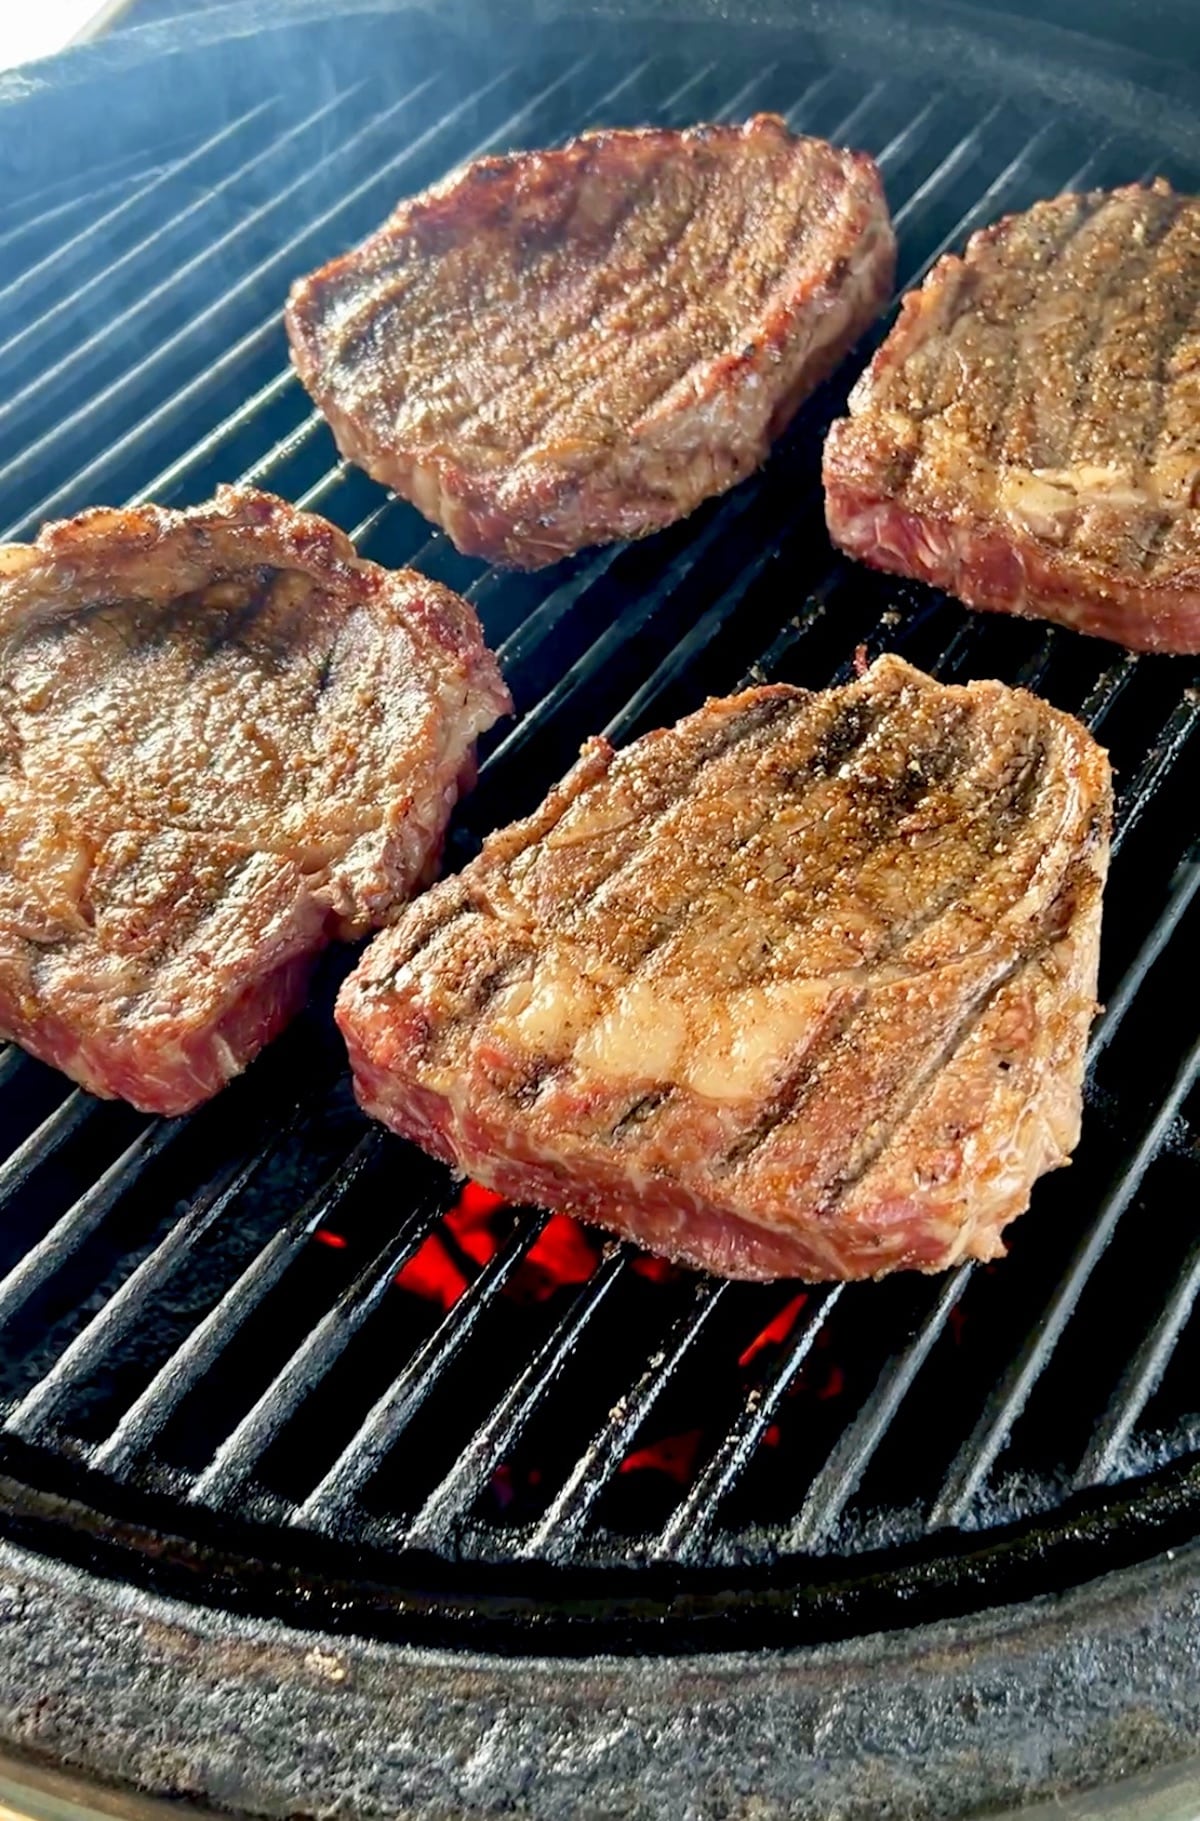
(988, 50)
(271, 1574)
(963, 1706)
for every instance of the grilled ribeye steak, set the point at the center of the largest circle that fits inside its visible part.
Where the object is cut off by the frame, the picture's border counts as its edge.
(1028, 436)
(560, 348)
(225, 740)
(799, 987)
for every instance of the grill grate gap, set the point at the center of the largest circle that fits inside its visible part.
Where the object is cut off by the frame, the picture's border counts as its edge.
(970, 1468)
(408, 1391)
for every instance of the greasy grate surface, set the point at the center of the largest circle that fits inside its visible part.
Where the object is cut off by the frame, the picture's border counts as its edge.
(200, 1321)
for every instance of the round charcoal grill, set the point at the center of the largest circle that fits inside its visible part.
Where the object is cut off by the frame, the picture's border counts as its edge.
(328, 1486)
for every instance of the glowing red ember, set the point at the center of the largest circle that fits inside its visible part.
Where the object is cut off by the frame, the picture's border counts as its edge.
(433, 1274)
(776, 1330)
(433, 1271)
(475, 1201)
(674, 1455)
(563, 1253)
(658, 1270)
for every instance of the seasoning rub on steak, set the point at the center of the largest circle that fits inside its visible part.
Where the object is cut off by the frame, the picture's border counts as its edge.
(1028, 436)
(799, 987)
(223, 741)
(560, 348)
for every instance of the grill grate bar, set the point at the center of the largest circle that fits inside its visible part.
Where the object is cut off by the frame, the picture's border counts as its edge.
(1143, 787)
(237, 1457)
(1183, 890)
(33, 226)
(956, 654)
(839, 1478)
(796, 629)
(127, 1305)
(678, 660)
(83, 1217)
(849, 124)
(1108, 691)
(974, 1460)
(910, 133)
(539, 625)
(641, 608)
(148, 1413)
(175, 472)
(55, 1131)
(287, 445)
(493, 1439)
(201, 384)
(959, 155)
(682, 1537)
(888, 635)
(330, 481)
(1103, 1456)
(393, 1411)
(246, 285)
(567, 1515)
(115, 325)
(957, 649)
(96, 231)
(983, 210)
(1031, 672)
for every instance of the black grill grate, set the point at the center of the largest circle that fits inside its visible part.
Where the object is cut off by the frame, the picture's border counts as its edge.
(202, 1347)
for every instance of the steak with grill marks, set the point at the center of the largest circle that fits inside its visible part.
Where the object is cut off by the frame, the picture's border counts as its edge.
(1028, 436)
(799, 987)
(224, 740)
(561, 348)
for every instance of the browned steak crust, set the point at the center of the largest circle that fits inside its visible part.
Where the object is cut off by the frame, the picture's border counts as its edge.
(223, 740)
(1028, 436)
(560, 348)
(800, 986)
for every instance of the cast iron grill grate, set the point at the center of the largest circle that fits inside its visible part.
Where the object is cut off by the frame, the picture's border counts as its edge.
(231, 1327)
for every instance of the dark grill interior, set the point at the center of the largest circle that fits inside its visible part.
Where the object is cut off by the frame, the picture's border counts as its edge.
(201, 1328)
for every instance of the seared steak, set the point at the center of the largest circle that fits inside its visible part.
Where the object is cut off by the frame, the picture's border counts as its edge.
(561, 348)
(799, 987)
(1028, 436)
(223, 740)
